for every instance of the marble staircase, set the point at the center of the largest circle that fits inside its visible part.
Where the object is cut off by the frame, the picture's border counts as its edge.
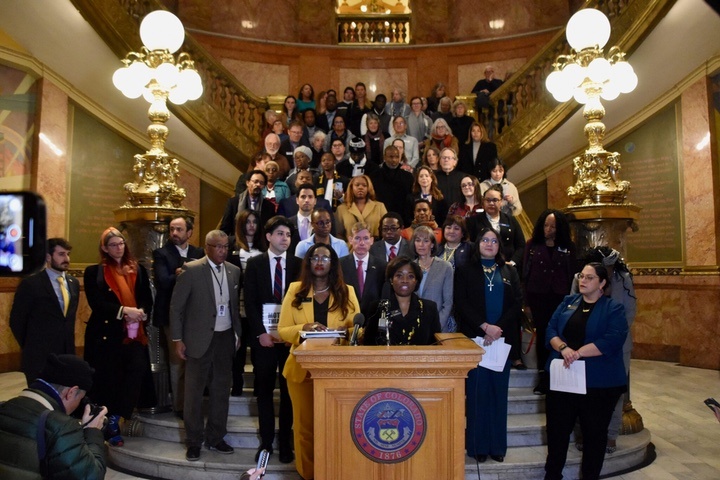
(154, 445)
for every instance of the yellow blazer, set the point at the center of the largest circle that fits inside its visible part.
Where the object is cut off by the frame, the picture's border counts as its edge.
(292, 320)
(346, 217)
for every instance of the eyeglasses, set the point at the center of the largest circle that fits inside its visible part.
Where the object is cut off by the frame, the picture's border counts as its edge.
(589, 278)
(492, 200)
(116, 245)
(489, 240)
(218, 247)
(323, 223)
(390, 229)
(447, 157)
(320, 259)
(465, 185)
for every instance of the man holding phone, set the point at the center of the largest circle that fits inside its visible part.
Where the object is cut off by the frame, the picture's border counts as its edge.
(42, 318)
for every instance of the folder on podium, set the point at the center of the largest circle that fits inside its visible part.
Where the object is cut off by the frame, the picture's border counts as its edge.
(389, 413)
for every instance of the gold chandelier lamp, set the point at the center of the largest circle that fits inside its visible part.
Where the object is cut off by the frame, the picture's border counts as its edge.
(158, 75)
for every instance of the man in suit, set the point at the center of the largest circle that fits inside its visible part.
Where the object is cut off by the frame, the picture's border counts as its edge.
(301, 223)
(267, 278)
(205, 326)
(392, 244)
(325, 120)
(42, 317)
(289, 206)
(364, 272)
(393, 185)
(167, 265)
(250, 199)
(294, 140)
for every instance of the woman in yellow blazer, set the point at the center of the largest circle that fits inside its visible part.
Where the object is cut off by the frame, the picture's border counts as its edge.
(319, 301)
(360, 206)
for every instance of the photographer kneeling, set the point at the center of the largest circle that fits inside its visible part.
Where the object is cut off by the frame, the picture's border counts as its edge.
(39, 438)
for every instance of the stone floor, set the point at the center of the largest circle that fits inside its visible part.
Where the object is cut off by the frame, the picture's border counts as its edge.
(670, 399)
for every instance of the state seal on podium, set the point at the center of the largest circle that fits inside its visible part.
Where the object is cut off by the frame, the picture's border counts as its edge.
(388, 425)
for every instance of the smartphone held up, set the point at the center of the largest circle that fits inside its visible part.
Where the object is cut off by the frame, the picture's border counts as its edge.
(22, 233)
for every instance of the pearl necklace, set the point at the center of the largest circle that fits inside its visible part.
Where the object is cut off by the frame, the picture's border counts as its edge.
(322, 291)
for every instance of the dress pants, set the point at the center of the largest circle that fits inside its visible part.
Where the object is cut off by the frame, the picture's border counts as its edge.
(594, 410)
(268, 364)
(542, 306)
(486, 394)
(303, 415)
(177, 372)
(240, 359)
(214, 368)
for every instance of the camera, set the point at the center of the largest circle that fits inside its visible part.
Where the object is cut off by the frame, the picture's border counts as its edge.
(95, 410)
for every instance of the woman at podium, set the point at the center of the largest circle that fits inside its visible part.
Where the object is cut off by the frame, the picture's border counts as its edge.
(403, 318)
(319, 301)
(488, 302)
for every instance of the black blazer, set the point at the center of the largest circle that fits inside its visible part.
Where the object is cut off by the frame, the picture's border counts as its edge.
(511, 234)
(345, 168)
(378, 249)
(259, 289)
(227, 224)
(374, 279)
(424, 333)
(469, 299)
(479, 164)
(165, 261)
(38, 323)
(104, 333)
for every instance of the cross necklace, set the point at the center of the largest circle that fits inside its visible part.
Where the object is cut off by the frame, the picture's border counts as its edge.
(490, 278)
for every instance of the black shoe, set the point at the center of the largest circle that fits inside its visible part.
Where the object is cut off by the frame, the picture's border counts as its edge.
(193, 454)
(540, 389)
(481, 458)
(179, 414)
(257, 454)
(520, 366)
(498, 458)
(236, 392)
(222, 447)
(286, 456)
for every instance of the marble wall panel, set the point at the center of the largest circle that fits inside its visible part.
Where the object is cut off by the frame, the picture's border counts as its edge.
(557, 184)
(376, 80)
(51, 178)
(260, 78)
(698, 202)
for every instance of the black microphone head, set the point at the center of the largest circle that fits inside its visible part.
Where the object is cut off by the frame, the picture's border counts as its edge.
(358, 319)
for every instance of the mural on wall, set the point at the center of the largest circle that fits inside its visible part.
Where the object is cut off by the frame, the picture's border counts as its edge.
(649, 159)
(18, 100)
(101, 163)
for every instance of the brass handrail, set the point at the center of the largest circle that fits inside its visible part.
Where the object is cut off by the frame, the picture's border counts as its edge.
(527, 112)
(228, 116)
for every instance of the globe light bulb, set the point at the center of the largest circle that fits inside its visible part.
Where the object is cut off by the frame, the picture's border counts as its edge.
(563, 95)
(554, 81)
(120, 78)
(167, 75)
(161, 30)
(599, 70)
(587, 28)
(574, 74)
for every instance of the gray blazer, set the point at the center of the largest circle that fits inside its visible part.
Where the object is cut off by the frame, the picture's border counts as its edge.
(193, 309)
(439, 288)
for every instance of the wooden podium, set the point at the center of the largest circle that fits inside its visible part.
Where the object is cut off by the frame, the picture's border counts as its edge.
(433, 375)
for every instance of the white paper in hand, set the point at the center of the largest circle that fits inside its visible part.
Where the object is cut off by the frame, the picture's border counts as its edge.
(570, 380)
(496, 354)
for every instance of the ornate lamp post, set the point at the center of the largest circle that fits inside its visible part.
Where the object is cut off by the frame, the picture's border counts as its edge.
(599, 212)
(156, 74)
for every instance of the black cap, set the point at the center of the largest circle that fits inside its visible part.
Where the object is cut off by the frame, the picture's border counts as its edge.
(68, 371)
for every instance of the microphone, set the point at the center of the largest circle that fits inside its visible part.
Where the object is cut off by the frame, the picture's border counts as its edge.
(358, 321)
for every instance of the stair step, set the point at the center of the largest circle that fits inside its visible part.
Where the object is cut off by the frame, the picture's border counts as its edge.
(166, 460)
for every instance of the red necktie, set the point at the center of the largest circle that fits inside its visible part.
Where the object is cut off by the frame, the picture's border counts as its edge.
(361, 277)
(277, 284)
(392, 252)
